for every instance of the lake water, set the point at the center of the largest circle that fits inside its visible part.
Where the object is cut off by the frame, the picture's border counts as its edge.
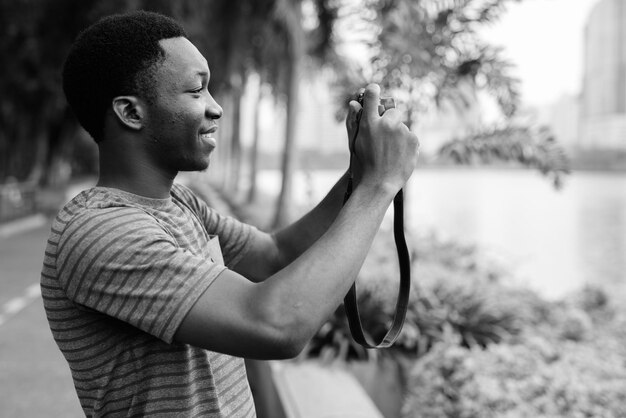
(554, 241)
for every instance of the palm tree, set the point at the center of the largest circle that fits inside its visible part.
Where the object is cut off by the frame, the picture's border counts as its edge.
(289, 14)
(300, 42)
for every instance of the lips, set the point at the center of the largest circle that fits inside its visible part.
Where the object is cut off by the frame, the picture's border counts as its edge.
(207, 136)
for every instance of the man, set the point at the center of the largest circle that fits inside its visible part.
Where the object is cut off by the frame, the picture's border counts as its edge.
(154, 298)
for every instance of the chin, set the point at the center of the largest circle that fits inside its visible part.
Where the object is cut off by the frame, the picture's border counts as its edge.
(197, 165)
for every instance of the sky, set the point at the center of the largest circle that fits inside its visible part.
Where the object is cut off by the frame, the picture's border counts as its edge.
(544, 39)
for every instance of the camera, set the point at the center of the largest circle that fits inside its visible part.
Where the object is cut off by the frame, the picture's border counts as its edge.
(385, 103)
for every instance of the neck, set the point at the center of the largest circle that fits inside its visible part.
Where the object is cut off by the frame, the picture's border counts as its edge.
(132, 172)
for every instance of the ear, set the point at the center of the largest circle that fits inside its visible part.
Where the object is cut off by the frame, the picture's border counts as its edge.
(129, 111)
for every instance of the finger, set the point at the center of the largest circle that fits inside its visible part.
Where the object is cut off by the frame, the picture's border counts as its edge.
(354, 106)
(393, 115)
(371, 98)
(353, 115)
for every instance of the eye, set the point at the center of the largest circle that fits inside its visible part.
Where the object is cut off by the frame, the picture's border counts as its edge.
(198, 90)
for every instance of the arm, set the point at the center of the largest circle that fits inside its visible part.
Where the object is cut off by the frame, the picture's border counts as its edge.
(272, 252)
(275, 318)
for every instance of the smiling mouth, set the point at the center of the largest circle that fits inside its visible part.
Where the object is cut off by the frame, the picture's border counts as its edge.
(209, 139)
(207, 136)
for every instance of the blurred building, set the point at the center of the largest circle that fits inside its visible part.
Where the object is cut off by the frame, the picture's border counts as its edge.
(603, 98)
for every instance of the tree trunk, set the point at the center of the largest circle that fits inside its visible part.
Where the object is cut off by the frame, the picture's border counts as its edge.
(290, 14)
(254, 152)
(283, 208)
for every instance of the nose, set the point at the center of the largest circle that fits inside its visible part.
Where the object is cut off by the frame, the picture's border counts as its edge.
(213, 110)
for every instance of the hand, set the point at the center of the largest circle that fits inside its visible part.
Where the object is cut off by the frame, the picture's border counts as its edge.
(385, 150)
(352, 126)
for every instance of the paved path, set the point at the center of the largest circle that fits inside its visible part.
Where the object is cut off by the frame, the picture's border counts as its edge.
(34, 378)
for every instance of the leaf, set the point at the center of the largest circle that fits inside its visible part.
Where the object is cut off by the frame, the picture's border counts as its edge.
(529, 147)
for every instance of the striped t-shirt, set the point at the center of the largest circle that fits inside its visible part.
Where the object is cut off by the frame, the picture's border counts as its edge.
(120, 273)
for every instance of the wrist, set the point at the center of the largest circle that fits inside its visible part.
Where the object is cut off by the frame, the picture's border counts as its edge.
(377, 187)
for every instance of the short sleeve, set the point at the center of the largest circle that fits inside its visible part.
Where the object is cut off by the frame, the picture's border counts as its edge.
(235, 236)
(120, 262)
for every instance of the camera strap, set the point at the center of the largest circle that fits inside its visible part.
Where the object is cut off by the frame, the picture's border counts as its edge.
(402, 301)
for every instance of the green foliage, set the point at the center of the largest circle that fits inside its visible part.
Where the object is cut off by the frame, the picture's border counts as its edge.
(474, 346)
(451, 293)
(36, 131)
(566, 361)
(236, 37)
(528, 147)
(533, 378)
(429, 55)
(428, 50)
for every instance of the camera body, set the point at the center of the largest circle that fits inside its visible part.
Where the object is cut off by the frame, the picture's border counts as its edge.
(385, 103)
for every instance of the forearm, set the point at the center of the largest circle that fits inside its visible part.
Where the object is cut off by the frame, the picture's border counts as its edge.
(305, 293)
(296, 238)
(276, 317)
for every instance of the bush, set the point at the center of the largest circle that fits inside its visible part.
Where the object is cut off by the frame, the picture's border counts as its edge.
(473, 345)
(533, 379)
(453, 291)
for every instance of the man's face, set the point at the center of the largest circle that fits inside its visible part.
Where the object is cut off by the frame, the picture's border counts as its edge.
(181, 122)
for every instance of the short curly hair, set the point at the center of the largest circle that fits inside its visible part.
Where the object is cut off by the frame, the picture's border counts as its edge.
(115, 56)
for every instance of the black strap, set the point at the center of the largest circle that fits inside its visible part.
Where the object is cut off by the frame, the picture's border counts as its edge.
(402, 302)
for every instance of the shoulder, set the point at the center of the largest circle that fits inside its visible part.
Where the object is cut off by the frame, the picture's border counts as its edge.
(182, 192)
(96, 213)
(187, 196)
(99, 203)
(201, 202)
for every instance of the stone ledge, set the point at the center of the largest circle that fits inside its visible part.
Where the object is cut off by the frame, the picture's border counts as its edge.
(310, 390)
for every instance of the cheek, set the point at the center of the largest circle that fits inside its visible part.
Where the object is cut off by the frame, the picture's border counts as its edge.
(177, 116)
(198, 108)
(164, 117)
(177, 122)
(191, 115)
